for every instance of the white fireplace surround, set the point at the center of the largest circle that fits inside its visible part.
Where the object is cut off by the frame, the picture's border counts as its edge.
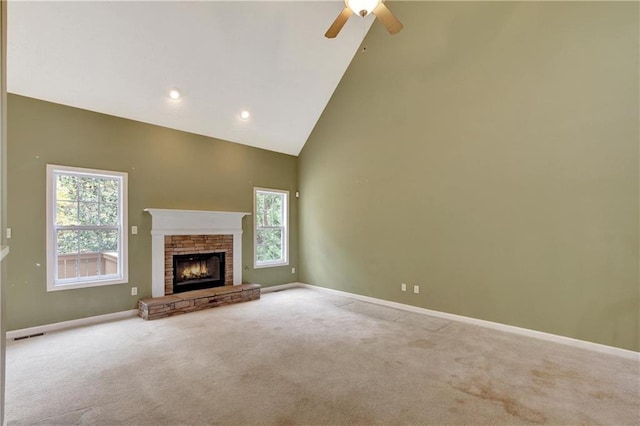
(192, 222)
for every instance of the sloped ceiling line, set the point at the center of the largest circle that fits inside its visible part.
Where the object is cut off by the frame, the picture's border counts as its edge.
(122, 58)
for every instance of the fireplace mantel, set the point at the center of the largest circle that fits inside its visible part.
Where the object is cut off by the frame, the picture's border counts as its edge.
(192, 222)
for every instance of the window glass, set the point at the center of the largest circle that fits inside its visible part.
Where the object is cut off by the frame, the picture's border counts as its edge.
(86, 227)
(271, 223)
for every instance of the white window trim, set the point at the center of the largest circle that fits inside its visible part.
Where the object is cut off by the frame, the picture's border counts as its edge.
(285, 248)
(51, 259)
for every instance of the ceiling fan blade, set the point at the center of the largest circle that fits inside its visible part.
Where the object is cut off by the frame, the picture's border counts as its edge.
(387, 18)
(337, 25)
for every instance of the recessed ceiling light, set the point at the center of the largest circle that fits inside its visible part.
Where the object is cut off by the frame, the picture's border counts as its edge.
(174, 94)
(245, 115)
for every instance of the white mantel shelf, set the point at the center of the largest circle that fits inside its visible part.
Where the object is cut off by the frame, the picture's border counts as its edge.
(192, 222)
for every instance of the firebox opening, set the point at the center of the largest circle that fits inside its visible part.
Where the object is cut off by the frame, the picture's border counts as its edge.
(197, 271)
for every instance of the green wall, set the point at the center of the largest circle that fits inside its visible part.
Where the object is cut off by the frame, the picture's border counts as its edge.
(3, 197)
(167, 169)
(489, 154)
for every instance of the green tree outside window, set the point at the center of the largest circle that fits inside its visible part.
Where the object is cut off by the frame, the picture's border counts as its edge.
(271, 227)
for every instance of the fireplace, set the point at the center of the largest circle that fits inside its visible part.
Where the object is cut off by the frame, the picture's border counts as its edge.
(200, 249)
(175, 232)
(198, 271)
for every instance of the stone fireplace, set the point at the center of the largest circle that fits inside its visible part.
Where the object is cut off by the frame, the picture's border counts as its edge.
(194, 233)
(196, 262)
(197, 271)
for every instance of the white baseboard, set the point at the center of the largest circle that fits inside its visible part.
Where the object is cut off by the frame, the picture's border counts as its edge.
(15, 334)
(279, 287)
(597, 347)
(47, 328)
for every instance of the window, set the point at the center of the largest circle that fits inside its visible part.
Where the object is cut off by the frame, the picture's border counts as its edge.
(86, 228)
(271, 225)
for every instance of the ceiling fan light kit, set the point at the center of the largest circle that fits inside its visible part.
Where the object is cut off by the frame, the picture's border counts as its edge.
(363, 8)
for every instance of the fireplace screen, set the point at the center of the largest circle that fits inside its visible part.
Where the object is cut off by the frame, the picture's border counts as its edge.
(197, 271)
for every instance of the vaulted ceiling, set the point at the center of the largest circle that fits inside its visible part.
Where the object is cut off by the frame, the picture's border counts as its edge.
(269, 58)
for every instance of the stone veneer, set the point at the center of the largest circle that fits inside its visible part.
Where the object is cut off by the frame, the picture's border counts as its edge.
(181, 303)
(197, 244)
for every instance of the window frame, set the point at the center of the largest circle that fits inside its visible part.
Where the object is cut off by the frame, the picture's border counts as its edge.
(285, 228)
(53, 284)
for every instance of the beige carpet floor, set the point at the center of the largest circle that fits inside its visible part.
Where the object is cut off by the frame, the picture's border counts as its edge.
(302, 356)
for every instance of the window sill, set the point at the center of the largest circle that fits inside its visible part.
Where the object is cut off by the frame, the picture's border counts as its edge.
(72, 286)
(4, 251)
(270, 265)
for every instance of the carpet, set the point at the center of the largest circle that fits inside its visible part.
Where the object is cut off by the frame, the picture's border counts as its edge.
(305, 357)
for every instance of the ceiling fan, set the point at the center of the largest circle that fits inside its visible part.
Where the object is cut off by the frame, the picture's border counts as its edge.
(363, 8)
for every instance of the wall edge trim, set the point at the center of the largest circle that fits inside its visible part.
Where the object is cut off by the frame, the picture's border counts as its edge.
(57, 326)
(570, 341)
(279, 287)
(47, 328)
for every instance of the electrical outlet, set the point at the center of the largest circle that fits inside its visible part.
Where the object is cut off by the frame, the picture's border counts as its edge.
(293, 270)
(134, 291)
(403, 286)
(134, 230)
(416, 289)
(8, 233)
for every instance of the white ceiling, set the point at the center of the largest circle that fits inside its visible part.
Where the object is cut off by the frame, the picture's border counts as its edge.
(122, 58)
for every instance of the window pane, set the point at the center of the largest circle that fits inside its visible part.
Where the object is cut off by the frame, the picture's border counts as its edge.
(67, 242)
(260, 210)
(89, 265)
(269, 245)
(269, 209)
(275, 216)
(108, 214)
(89, 214)
(67, 213)
(67, 266)
(89, 189)
(66, 188)
(109, 241)
(109, 190)
(270, 227)
(109, 263)
(89, 241)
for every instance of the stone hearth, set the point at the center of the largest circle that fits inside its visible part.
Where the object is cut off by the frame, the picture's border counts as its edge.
(181, 303)
(195, 232)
